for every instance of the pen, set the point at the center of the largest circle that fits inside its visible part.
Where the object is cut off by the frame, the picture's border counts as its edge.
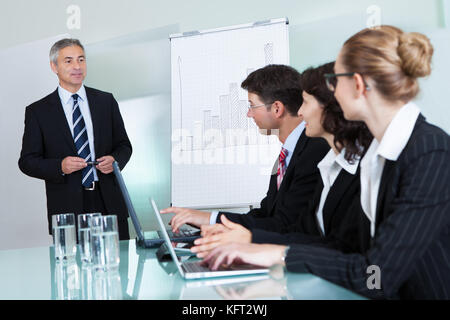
(92, 163)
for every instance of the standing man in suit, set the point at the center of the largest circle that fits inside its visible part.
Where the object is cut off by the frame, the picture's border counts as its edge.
(275, 95)
(72, 137)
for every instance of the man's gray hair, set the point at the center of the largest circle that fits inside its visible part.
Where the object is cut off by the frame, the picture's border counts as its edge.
(61, 44)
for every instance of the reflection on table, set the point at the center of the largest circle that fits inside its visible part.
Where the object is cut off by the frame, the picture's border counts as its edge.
(140, 275)
(73, 282)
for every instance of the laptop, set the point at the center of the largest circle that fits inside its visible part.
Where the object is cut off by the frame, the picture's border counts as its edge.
(193, 269)
(150, 239)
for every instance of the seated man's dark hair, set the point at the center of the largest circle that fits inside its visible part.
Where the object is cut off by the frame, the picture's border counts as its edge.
(276, 83)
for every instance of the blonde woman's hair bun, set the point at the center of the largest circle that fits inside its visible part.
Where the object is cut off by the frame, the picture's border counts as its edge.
(415, 50)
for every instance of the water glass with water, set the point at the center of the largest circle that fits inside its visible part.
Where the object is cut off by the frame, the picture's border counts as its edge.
(64, 237)
(105, 242)
(84, 235)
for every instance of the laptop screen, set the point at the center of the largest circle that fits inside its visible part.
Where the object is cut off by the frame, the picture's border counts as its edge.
(127, 199)
(165, 235)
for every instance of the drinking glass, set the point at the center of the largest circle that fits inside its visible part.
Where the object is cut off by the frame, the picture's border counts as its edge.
(105, 242)
(84, 235)
(64, 237)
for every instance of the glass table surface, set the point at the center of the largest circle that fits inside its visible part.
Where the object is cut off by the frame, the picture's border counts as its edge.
(33, 274)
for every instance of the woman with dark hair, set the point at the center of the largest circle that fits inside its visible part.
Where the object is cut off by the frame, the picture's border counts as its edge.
(405, 174)
(352, 136)
(330, 220)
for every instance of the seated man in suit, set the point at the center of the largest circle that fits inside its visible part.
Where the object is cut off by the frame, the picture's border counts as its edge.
(275, 95)
(71, 139)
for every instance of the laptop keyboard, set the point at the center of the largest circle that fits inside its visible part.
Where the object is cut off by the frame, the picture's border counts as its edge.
(194, 266)
(182, 233)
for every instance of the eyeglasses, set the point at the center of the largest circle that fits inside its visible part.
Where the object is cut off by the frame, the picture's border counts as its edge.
(331, 79)
(250, 107)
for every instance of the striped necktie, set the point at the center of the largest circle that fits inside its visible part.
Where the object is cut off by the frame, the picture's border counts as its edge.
(281, 166)
(80, 138)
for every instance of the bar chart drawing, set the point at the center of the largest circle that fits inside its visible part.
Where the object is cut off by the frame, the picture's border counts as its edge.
(231, 115)
(232, 120)
(268, 53)
(220, 158)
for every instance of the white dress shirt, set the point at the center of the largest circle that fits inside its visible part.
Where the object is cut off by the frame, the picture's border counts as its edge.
(391, 145)
(67, 103)
(330, 167)
(289, 144)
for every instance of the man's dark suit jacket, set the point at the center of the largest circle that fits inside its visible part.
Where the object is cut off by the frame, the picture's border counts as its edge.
(342, 217)
(281, 208)
(411, 245)
(47, 140)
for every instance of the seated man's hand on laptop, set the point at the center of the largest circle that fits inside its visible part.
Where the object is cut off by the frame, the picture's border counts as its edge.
(235, 233)
(193, 217)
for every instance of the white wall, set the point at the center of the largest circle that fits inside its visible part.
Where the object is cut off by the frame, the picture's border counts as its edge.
(23, 21)
(446, 8)
(23, 221)
(433, 95)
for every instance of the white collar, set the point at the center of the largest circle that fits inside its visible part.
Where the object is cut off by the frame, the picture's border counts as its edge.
(67, 95)
(292, 139)
(339, 159)
(398, 132)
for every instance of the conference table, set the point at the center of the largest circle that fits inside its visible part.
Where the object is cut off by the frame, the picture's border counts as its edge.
(34, 274)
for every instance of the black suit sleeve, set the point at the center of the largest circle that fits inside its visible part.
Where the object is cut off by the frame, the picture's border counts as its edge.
(121, 144)
(263, 236)
(295, 199)
(32, 161)
(419, 215)
(343, 229)
(248, 219)
(338, 239)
